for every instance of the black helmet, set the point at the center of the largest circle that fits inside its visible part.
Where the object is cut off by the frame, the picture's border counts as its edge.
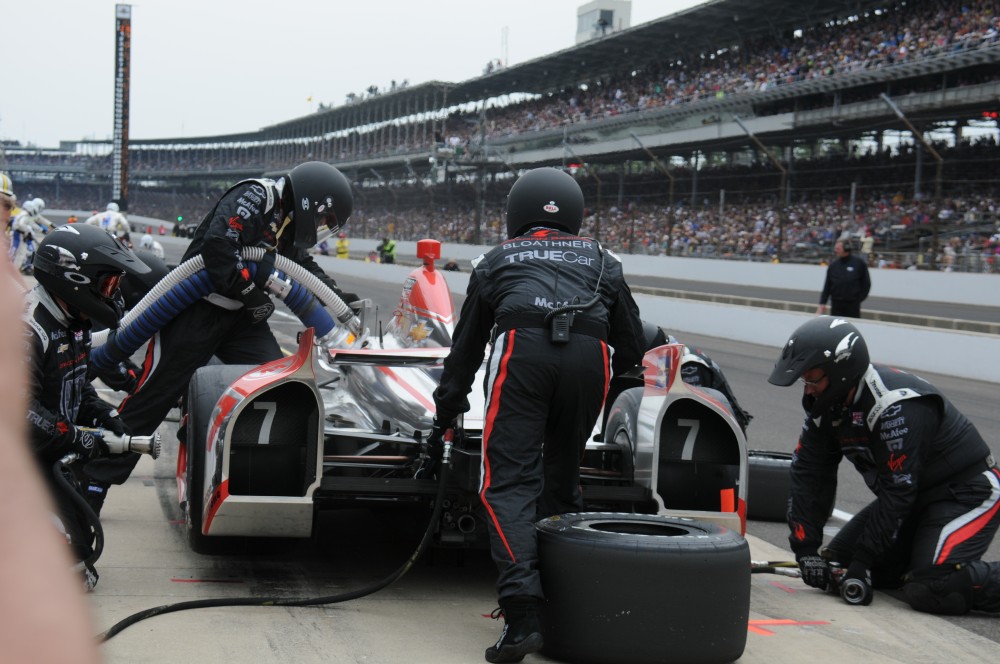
(82, 265)
(547, 197)
(321, 200)
(828, 343)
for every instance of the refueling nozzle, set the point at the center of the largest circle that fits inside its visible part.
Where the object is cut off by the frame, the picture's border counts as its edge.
(125, 443)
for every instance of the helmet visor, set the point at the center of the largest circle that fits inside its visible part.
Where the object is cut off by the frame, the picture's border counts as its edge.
(107, 284)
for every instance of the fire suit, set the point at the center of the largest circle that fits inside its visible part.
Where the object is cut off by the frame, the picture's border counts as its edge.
(542, 397)
(27, 230)
(936, 486)
(228, 323)
(61, 398)
(113, 222)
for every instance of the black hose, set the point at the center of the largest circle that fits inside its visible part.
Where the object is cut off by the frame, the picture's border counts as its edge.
(293, 601)
(81, 503)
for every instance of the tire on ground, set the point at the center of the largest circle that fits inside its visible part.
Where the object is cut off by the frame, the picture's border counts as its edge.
(206, 386)
(635, 588)
(768, 485)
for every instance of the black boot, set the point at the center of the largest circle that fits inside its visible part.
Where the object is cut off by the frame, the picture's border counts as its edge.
(522, 630)
(942, 589)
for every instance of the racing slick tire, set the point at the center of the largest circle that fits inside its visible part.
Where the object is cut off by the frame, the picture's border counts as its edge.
(207, 385)
(621, 427)
(636, 588)
(768, 485)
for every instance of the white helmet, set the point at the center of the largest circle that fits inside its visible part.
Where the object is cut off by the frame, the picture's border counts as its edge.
(6, 186)
(146, 242)
(39, 205)
(30, 207)
(113, 207)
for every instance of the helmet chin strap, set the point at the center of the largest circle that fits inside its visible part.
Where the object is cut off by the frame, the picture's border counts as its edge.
(284, 225)
(71, 312)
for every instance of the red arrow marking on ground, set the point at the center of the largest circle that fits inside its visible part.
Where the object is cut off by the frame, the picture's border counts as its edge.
(780, 586)
(754, 625)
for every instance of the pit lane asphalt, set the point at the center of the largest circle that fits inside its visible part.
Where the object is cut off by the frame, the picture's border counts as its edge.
(437, 613)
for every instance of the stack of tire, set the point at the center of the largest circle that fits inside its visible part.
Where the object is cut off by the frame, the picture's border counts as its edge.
(636, 588)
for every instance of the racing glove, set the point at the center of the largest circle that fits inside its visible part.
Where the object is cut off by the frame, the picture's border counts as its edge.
(856, 584)
(112, 422)
(258, 304)
(815, 571)
(124, 377)
(435, 441)
(88, 445)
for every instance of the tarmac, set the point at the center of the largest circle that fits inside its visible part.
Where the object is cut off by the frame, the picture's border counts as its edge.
(436, 613)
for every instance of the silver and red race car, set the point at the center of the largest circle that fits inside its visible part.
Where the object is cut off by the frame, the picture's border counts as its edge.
(268, 446)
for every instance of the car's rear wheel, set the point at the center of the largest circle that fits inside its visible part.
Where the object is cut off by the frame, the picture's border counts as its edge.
(643, 588)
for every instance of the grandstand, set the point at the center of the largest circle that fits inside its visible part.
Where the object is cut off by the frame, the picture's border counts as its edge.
(754, 129)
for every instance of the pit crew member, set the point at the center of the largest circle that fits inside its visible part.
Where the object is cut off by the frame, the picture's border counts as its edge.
(78, 269)
(560, 304)
(936, 486)
(285, 216)
(111, 220)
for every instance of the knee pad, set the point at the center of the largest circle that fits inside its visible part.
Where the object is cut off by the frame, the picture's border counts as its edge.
(940, 589)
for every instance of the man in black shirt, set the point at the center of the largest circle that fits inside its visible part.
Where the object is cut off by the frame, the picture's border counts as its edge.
(847, 283)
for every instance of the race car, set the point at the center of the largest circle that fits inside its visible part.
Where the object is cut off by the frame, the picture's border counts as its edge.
(269, 446)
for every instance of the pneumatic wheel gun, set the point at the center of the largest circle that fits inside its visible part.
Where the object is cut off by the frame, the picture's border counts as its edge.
(125, 443)
(852, 591)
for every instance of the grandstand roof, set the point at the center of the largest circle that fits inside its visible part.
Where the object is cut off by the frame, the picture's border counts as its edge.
(704, 28)
(701, 29)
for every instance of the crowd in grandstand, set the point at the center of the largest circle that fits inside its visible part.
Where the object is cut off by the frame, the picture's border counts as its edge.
(897, 34)
(900, 34)
(729, 208)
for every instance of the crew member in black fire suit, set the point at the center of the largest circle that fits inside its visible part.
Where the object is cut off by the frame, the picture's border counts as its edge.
(554, 304)
(78, 269)
(937, 489)
(286, 216)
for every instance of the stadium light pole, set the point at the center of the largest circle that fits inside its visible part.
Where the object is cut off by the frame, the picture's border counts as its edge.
(430, 195)
(590, 171)
(670, 176)
(783, 194)
(919, 135)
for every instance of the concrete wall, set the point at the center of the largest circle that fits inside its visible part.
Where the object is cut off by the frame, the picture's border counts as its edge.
(961, 287)
(964, 354)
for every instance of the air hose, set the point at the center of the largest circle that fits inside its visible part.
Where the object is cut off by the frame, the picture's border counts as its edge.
(59, 468)
(304, 293)
(779, 567)
(297, 601)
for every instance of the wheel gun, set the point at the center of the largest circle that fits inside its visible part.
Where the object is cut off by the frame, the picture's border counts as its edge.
(125, 443)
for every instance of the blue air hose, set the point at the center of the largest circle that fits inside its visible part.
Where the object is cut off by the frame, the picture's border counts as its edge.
(189, 282)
